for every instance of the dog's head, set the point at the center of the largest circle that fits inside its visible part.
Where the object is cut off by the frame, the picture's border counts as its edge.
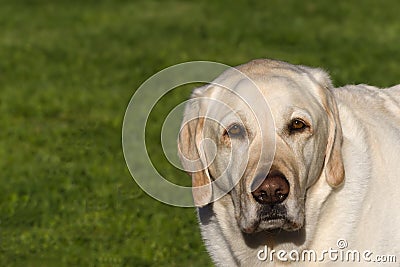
(265, 139)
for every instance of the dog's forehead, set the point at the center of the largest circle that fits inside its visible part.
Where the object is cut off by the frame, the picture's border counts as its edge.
(278, 91)
(281, 92)
(243, 101)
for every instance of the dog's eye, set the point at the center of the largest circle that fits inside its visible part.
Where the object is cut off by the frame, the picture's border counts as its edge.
(297, 125)
(235, 130)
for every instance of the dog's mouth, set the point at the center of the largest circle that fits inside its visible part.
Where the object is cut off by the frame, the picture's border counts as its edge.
(272, 225)
(268, 213)
(271, 219)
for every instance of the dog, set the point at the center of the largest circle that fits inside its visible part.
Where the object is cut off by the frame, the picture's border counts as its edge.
(282, 162)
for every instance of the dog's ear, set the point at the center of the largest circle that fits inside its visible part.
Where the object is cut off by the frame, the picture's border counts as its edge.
(334, 169)
(191, 152)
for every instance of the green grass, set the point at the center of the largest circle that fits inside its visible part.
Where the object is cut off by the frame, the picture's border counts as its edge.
(67, 72)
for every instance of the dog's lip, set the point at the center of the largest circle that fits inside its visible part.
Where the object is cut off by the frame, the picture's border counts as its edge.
(272, 226)
(265, 225)
(267, 213)
(269, 218)
(278, 222)
(259, 227)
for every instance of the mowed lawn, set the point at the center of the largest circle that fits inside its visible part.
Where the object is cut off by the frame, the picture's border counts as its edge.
(67, 72)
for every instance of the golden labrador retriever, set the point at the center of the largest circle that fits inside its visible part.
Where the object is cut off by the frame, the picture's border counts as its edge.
(302, 166)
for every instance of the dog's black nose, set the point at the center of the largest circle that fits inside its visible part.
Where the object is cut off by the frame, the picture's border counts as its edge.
(273, 190)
